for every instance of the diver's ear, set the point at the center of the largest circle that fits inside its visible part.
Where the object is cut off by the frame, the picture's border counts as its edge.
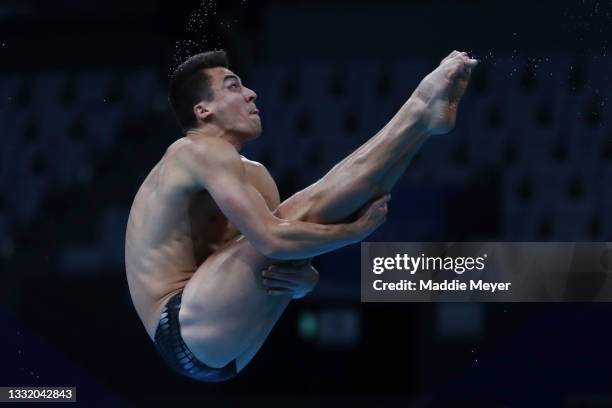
(202, 112)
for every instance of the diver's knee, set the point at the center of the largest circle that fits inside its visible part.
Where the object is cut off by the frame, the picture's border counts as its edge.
(216, 352)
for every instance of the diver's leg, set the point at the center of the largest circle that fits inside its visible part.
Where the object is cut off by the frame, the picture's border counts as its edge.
(368, 172)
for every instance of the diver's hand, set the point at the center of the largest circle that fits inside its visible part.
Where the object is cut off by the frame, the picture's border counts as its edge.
(296, 280)
(369, 218)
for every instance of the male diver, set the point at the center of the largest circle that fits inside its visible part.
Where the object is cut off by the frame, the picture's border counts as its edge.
(212, 255)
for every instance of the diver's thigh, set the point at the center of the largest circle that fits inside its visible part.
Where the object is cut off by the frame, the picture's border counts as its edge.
(225, 306)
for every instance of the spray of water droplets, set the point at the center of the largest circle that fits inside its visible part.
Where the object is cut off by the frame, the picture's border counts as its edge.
(585, 73)
(200, 32)
(204, 31)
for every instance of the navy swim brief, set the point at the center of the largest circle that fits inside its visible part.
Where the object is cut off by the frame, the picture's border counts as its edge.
(176, 354)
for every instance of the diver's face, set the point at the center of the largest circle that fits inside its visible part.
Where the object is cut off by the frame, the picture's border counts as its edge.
(233, 106)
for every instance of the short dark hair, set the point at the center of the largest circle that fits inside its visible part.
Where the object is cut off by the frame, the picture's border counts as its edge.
(190, 84)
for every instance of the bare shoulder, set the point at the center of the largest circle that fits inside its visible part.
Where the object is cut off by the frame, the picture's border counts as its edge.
(255, 169)
(206, 151)
(259, 176)
(189, 162)
(254, 166)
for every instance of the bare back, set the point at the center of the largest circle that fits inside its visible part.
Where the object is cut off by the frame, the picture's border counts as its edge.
(173, 228)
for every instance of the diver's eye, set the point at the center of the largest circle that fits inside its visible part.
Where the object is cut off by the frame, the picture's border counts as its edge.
(234, 86)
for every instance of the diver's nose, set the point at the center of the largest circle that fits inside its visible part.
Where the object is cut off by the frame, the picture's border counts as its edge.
(251, 95)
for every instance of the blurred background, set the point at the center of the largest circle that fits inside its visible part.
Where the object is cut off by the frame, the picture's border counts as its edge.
(84, 117)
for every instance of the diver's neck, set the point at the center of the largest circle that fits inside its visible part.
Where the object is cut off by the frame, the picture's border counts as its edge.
(210, 132)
